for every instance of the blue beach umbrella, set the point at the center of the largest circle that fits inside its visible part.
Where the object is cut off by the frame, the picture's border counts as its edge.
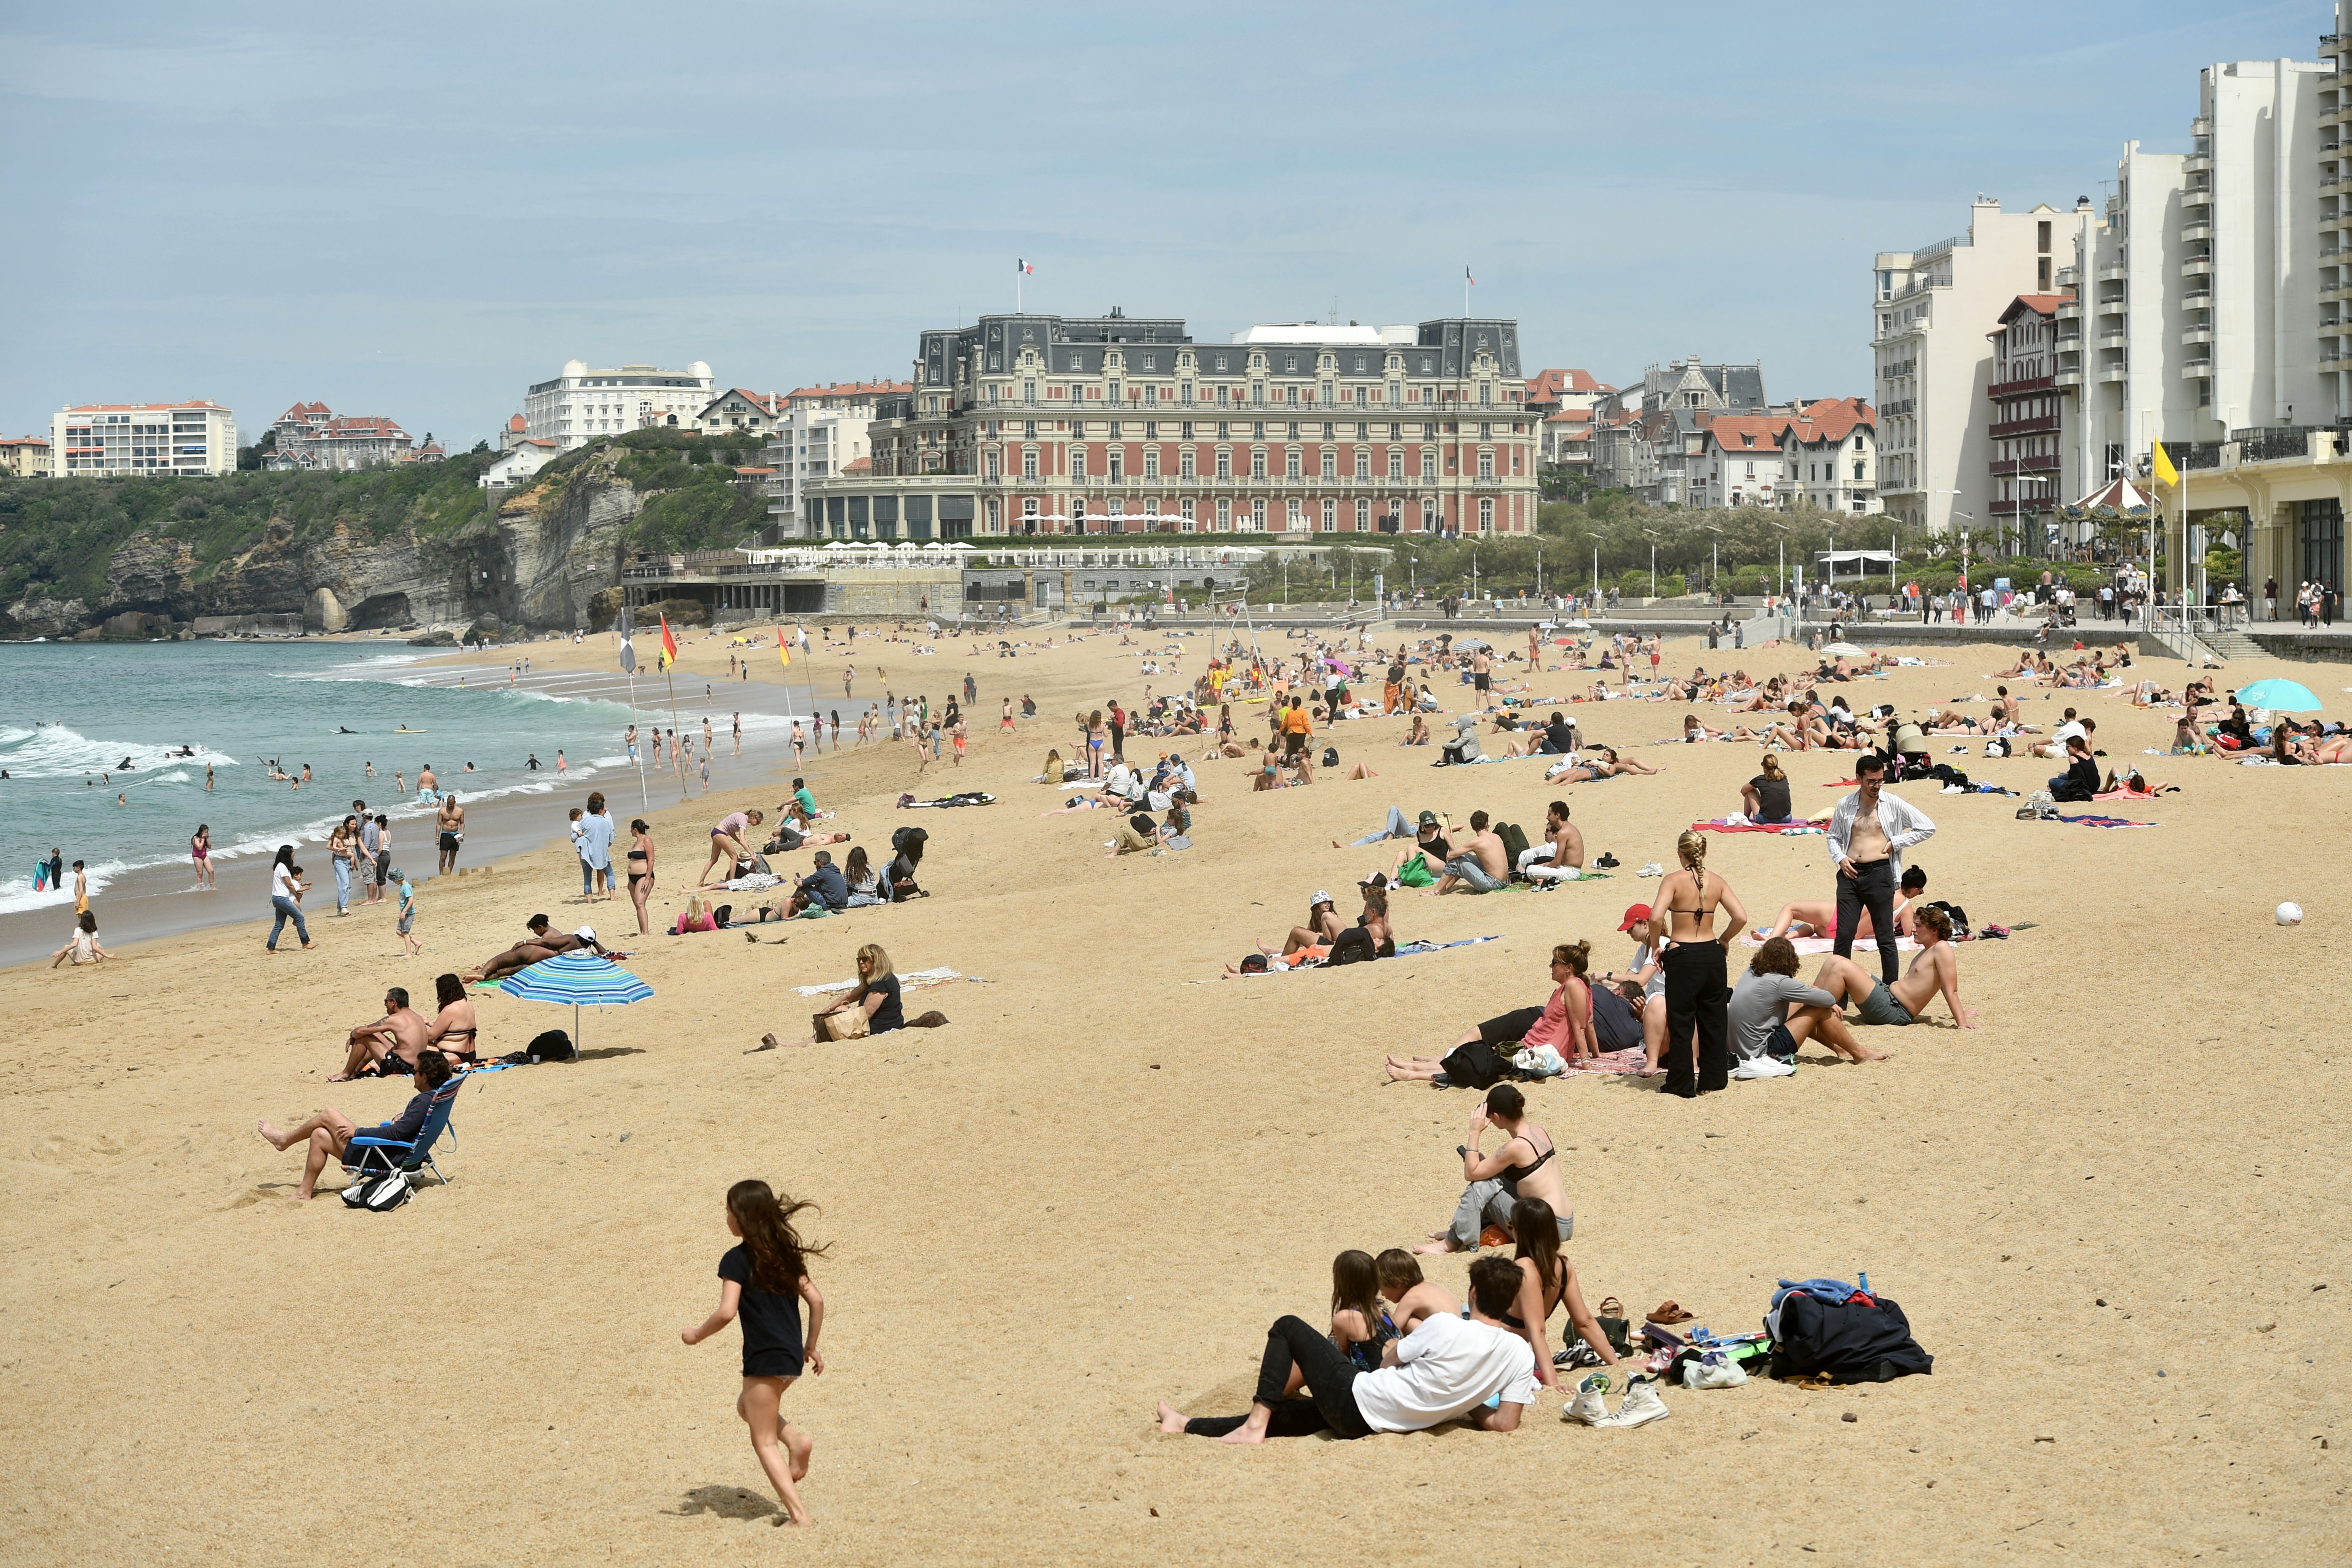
(582, 979)
(2282, 696)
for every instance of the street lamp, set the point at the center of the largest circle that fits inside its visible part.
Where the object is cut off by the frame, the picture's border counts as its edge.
(1715, 560)
(1653, 562)
(1780, 582)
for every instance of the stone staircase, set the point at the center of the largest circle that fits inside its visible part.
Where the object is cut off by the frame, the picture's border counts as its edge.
(2231, 644)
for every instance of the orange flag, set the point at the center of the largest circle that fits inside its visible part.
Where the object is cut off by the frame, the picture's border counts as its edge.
(670, 643)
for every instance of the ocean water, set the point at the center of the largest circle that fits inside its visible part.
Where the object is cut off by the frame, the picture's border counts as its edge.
(82, 724)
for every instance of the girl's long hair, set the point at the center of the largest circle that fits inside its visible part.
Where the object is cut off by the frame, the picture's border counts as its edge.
(1536, 1230)
(779, 1257)
(1356, 1288)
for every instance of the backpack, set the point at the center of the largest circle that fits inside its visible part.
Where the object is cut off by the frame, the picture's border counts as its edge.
(379, 1195)
(1330, 756)
(1515, 842)
(1355, 946)
(1956, 915)
(554, 1046)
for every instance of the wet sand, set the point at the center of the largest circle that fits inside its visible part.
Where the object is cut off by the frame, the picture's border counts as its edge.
(2108, 1212)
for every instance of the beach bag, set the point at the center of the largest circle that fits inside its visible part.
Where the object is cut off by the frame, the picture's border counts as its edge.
(1475, 1066)
(1860, 1340)
(1538, 1061)
(554, 1046)
(1956, 915)
(1330, 756)
(849, 1025)
(1515, 841)
(1415, 873)
(1355, 946)
(379, 1195)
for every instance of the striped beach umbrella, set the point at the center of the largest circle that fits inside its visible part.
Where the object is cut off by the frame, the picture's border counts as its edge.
(582, 979)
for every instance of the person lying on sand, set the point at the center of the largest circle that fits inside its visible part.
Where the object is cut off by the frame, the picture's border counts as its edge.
(1935, 971)
(543, 942)
(1445, 1370)
(389, 1046)
(1818, 917)
(330, 1132)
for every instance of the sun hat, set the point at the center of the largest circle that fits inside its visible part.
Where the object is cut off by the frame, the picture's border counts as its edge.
(1320, 898)
(1635, 915)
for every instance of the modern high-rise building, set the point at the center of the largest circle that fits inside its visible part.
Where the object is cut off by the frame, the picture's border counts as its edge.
(91, 439)
(812, 444)
(1932, 309)
(1047, 425)
(581, 404)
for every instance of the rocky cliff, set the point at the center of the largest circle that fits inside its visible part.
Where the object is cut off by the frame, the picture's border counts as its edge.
(535, 562)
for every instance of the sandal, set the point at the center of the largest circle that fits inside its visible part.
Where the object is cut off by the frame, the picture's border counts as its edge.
(1669, 1312)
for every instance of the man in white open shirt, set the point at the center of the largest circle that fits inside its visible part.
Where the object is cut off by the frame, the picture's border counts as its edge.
(1868, 833)
(1445, 1370)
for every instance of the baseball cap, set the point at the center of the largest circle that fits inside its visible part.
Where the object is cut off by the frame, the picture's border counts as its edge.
(586, 933)
(1377, 879)
(1320, 898)
(1635, 915)
(1429, 819)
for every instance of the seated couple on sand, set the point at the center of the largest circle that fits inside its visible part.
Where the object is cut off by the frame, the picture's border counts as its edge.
(1772, 1013)
(393, 1045)
(1563, 1026)
(543, 942)
(1314, 943)
(329, 1132)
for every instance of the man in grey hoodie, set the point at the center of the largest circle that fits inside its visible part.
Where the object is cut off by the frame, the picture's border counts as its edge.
(1765, 1031)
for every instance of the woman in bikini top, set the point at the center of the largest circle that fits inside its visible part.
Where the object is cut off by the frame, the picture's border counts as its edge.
(453, 1029)
(1678, 921)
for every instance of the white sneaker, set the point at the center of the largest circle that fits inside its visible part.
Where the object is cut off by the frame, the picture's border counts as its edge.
(1641, 1406)
(1586, 1407)
(1763, 1067)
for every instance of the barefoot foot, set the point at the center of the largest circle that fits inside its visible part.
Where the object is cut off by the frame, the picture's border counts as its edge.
(1172, 1420)
(271, 1136)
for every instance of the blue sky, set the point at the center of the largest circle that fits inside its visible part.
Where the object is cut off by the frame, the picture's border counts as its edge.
(417, 211)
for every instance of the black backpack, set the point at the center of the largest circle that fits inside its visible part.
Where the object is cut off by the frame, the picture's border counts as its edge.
(1355, 946)
(1330, 756)
(554, 1046)
(1475, 1066)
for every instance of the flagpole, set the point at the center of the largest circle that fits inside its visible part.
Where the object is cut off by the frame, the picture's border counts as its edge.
(642, 799)
(672, 681)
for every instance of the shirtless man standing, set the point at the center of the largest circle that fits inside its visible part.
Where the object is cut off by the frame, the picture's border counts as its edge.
(1560, 856)
(399, 1033)
(425, 780)
(451, 820)
(1935, 971)
(1482, 677)
(1478, 863)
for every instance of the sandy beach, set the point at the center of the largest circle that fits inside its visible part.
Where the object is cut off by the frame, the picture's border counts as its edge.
(2114, 1213)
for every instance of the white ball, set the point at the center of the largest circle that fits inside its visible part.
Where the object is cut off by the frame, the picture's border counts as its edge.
(2290, 914)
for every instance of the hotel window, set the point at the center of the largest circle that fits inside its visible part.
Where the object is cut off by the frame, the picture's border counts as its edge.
(1396, 461)
(1290, 463)
(1330, 462)
(1184, 431)
(992, 462)
(1486, 394)
(1295, 520)
(1326, 392)
(1183, 462)
(1258, 431)
(1220, 396)
(1185, 510)
(1184, 393)
(1116, 461)
(1428, 465)
(1291, 395)
(1429, 514)
(1220, 361)
(1224, 463)
(1290, 363)
(1152, 394)
(1224, 517)
(1363, 462)
(1028, 462)
(1114, 389)
(1257, 462)
(1077, 463)
(1029, 392)
(1152, 462)
(1486, 514)
(1257, 394)
(1361, 394)
(1258, 514)
(1330, 517)
(1151, 361)
(1115, 429)
(1225, 430)
(1396, 393)
(1363, 517)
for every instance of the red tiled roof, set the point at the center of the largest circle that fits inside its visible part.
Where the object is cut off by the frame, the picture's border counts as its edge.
(302, 413)
(1747, 432)
(1831, 419)
(1570, 416)
(858, 466)
(2039, 304)
(518, 424)
(764, 402)
(1551, 383)
(25, 441)
(362, 425)
(850, 389)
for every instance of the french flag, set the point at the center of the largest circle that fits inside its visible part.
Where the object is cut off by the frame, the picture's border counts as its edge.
(1022, 265)
(1465, 274)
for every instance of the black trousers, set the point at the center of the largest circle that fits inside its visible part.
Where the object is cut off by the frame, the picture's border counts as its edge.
(1696, 997)
(1872, 888)
(1331, 1383)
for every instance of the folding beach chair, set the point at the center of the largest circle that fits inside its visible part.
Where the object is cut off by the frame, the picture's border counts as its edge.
(370, 1155)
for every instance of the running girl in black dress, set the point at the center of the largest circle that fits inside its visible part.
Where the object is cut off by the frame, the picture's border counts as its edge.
(765, 1279)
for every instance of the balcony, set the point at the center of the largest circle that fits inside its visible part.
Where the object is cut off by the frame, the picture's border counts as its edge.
(2197, 196)
(2197, 335)
(2068, 277)
(2197, 163)
(2115, 340)
(2335, 184)
(2336, 295)
(2197, 234)
(2046, 463)
(2197, 370)
(2202, 267)
(2068, 378)
(2072, 310)
(2201, 126)
(2114, 306)
(2200, 296)
(2040, 424)
(2022, 386)
(2115, 272)
(2110, 374)
(2335, 359)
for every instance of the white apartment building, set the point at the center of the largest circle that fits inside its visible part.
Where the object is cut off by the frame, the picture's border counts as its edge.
(2203, 312)
(581, 404)
(518, 463)
(90, 439)
(810, 443)
(1931, 309)
(1830, 458)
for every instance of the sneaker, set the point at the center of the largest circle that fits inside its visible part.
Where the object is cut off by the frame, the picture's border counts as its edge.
(1641, 1406)
(1586, 1407)
(1763, 1067)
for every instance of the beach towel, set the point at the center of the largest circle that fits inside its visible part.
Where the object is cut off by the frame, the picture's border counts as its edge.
(1631, 1059)
(1741, 825)
(2152, 792)
(1814, 945)
(2091, 819)
(914, 981)
(962, 797)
